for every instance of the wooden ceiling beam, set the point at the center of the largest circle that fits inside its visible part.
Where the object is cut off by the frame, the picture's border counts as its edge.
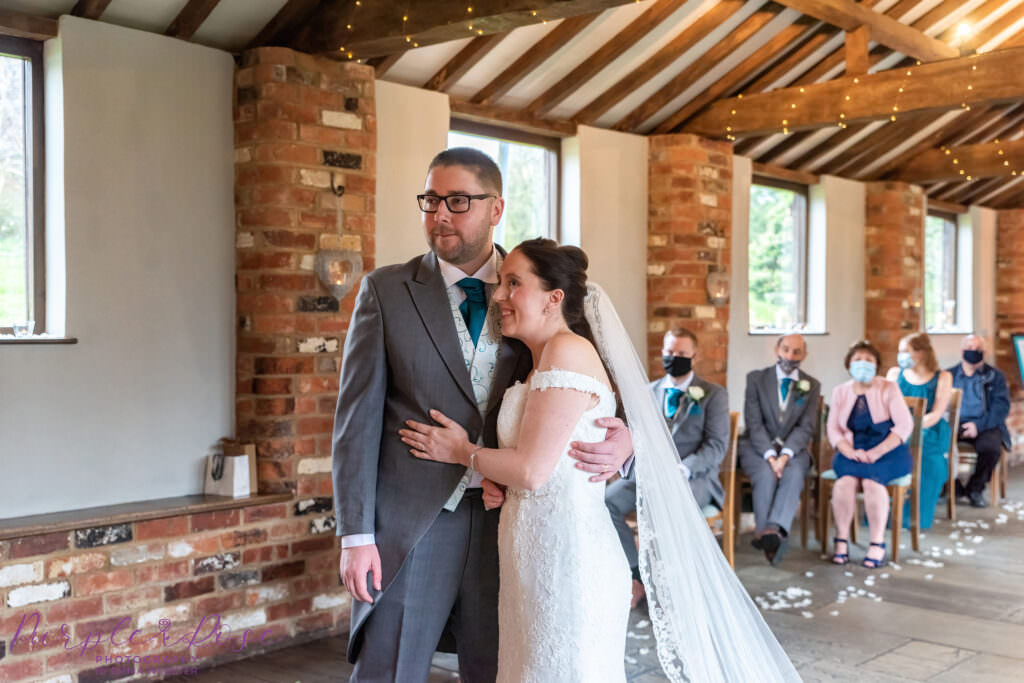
(948, 207)
(985, 160)
(1011, 195)
(532, 58)
(942, 136)
(865, 150)
(288, 19)
(697, 69)
(834, 141)
(372, 28)
(89, 9)
(605, 55)
(780, 173)
(856, 51)
(382, 64)
(849, 16)
(19, 25)
(990, 77)
(190, 18)
(674, 49)
(511, 118)
(466, 59)
(741, 72)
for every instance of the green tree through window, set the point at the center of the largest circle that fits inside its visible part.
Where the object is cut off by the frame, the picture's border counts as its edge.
(778, 230)
(14, 305)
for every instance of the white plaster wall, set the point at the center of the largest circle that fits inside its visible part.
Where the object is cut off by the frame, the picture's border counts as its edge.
(146, 150)
(837, 207)
(412, 127)
(613, 221)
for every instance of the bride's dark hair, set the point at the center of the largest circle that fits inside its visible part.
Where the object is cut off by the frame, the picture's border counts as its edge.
(562, 267)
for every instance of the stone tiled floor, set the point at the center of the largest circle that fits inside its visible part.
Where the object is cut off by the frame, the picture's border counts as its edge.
(952, 613)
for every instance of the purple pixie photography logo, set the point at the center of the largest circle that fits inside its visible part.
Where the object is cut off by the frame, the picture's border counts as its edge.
(208, 630)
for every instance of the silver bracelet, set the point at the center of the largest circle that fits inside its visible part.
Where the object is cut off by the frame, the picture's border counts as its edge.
(472, 458)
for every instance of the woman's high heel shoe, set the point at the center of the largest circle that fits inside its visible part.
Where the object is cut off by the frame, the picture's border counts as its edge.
(872, 563)
(840, 558)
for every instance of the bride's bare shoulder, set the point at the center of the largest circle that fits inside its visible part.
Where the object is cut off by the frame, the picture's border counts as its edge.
(570, 351)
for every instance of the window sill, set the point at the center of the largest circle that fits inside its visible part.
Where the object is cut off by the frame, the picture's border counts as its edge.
(939, 333)
(36, 339)
(34, 525)
(779, 333)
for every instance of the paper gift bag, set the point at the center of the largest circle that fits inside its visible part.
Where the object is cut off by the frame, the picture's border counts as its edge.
(233, 472)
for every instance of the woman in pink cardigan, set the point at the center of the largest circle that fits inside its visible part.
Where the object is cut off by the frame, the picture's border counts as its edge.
(868, 427)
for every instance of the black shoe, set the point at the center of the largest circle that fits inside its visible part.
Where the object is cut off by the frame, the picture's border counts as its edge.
(756, 542)
(775, 558)
(961, 493)
(977, 499)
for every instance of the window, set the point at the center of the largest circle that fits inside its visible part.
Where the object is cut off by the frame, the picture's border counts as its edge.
(777, 256)
(21, 174)
(529, 172)
(943, 243)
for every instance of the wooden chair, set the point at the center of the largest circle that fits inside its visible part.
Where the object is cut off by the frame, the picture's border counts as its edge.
(811, 478)
(964, 462)
(954, 425)
(898, 489)
(726, 517)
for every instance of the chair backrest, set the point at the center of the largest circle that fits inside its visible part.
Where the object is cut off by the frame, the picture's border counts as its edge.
(823, 454)
(727, 471)
(954, 419)
(819, 431)
(917, 405)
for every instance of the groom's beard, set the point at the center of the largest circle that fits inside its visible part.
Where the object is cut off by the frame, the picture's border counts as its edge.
(458, 251)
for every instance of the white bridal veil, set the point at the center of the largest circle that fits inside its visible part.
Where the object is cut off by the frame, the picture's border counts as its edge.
(707, 627)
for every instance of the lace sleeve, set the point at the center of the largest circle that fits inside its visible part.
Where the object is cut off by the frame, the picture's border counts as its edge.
(556, 378)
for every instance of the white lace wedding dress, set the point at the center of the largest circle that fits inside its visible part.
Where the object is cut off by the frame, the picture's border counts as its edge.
(563, 605)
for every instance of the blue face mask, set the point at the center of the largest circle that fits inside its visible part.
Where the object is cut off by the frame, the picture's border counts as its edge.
(862, 370)
(904, 360)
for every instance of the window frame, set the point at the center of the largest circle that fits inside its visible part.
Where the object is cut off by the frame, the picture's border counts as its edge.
(551, 144)
(801, 252)
(955, 328)
(32, 52)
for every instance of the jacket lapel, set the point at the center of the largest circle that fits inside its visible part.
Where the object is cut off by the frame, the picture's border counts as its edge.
(793, 409)
(428, 295)
(770, 389)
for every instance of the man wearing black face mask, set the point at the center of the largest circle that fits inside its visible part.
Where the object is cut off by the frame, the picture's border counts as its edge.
(984, 405)
(780, 412)
(697, 413)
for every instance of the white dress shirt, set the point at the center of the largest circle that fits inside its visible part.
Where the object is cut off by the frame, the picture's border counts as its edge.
(682, 384)
(451, 274)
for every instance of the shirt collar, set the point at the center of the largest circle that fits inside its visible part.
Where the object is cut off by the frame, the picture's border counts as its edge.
(780, 375)
(488, 271)
(668, 383)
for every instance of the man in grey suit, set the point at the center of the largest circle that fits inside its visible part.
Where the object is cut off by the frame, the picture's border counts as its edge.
(697, 413)
(780, 413)
(419, 548)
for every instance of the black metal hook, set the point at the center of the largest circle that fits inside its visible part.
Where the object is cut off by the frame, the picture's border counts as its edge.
(338, 190)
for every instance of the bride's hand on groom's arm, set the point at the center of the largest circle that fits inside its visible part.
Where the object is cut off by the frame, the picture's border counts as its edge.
(493, 494)
(447, 443)
(355, 564)
(604, 458)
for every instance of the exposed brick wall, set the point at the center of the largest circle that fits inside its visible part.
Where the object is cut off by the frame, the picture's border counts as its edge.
(271, 569)
(894, 271)
(298, 119)
(690, 221)
(1010, 314)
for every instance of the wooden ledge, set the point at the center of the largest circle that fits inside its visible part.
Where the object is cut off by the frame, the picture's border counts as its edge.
(11, 339)
(34, 525)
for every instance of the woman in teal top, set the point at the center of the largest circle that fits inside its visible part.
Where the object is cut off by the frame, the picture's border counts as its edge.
(918, 375)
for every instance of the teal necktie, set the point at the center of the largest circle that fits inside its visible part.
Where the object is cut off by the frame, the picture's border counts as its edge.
(474, 308)
(786, 383)
(672, 399)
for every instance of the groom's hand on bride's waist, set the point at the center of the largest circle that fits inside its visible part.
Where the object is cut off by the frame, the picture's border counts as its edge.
(604, 458)
(356, 563)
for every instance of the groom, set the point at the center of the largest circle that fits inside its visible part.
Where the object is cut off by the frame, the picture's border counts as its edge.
(419, 549)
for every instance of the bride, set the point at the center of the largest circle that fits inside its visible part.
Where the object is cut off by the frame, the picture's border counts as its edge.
(564, 582)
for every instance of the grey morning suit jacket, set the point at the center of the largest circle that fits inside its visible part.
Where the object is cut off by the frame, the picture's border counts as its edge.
(701, 435)
(761, 413)
(402, 358)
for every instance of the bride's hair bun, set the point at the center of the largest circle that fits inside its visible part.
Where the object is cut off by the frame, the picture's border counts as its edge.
(564, 268)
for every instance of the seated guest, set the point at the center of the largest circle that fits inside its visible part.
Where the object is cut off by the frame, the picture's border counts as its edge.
(919, 375)
(780, 412)
(868, 426)
(697, 413)
(983, 409)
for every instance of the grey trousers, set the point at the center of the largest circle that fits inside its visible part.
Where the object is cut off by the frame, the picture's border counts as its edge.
(775, 499)
(620, 498)
(449, 579)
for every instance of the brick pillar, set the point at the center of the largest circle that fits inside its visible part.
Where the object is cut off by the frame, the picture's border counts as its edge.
(894, 277)
(1010, 314)
(690, 219)
(299, 119)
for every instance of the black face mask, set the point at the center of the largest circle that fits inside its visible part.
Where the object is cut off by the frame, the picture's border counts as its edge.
(677, 366)
(786, 365)
(973, 357)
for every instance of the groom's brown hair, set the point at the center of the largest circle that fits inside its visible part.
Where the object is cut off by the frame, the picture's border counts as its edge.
(482, 166)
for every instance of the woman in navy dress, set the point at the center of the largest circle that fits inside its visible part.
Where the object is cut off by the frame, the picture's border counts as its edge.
(919, 375)
(868, 426)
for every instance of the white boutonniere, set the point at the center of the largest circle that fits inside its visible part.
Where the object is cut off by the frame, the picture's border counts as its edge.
(803, 386)
(695, 394)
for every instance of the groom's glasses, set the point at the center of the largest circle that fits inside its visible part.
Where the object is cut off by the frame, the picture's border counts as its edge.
(456, 203)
